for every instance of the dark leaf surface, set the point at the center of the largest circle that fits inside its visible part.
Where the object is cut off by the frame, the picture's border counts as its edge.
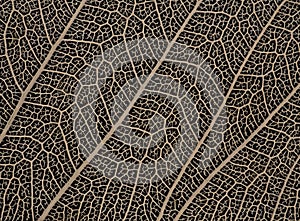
(149, 110)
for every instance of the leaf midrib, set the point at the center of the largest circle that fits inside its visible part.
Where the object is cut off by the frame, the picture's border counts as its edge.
(123, 116)
(39, 72)
(244, 144)
(86, 162)
(211, 175)
(218, 113)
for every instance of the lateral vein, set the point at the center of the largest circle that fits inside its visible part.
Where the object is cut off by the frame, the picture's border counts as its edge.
(121, 119)
(217, 114)
(38, 73)
(207, 180)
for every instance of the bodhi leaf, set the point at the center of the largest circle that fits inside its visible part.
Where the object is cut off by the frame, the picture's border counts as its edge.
(149, 110)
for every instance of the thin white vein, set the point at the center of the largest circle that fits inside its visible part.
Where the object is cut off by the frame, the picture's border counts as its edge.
(133, 67)
(6, 55)
(160, 20)
(40, 70)
(28, 41)
(121, 119)
(43, 21)
(65, 141)
(5, 194)
(283, 188)
(126, 46)
(249, 186)
(216, 116)
(133, 191)
(103, 200)
(207, 180)
(32, 190)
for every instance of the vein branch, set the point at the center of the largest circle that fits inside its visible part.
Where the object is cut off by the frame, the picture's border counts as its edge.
(40, 70)
(216, 116)
(227, 160)
(283, 188)
(121, 119)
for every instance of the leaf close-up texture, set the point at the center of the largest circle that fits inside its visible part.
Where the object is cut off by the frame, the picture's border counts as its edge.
(149, 110)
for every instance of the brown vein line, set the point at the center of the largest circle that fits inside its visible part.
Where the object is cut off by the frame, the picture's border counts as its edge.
(132, 194)
(121, 119)
(6, 49)
(38, 73)
(43, 21)
(216, 116)
(31, 189)
(283, 188)
(103, 200)
(234, 153)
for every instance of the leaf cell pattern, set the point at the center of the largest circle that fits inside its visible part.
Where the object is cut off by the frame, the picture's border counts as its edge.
(243, 161)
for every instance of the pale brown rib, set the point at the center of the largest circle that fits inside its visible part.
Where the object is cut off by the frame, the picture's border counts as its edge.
(38, 73)
(235, 152)
(118, 123)
(215, 117)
